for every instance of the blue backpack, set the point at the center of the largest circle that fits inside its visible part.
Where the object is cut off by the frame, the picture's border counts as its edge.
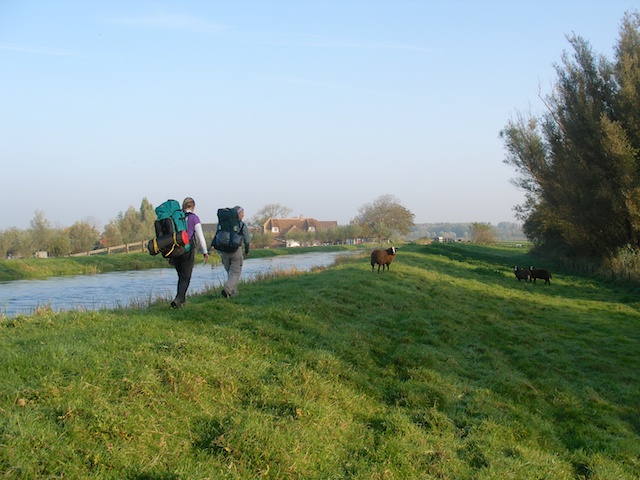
(228, 237)
(171, 231)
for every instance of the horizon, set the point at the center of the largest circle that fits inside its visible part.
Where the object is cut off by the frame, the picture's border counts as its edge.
(57, 225)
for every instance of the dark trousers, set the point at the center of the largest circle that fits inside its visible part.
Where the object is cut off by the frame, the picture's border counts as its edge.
(184, 266)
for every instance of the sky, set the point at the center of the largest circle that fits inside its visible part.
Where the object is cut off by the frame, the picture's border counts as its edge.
(320, 106)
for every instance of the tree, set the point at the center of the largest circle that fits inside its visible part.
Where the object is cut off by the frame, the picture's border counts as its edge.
(5, 244)
(297, 236)
(261, 240)
(130, 226)
(579, 162)
(83, 235)
(271, 210)
(351, 231)
(10, 242)
(147, 219)
(384, 217)
(59, 245)
(22, 244)
(482, 233)
(41, 231)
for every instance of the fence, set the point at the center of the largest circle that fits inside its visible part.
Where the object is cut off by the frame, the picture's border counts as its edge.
(125, 248)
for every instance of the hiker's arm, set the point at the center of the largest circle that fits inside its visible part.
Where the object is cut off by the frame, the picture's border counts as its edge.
(247, 239)
(201, 241)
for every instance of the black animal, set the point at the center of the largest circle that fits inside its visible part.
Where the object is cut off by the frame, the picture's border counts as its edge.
(383, 258)
(521, 273)
(539, 273)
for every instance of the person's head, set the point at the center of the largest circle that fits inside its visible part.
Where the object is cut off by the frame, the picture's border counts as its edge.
(240, 211)
(188, 204)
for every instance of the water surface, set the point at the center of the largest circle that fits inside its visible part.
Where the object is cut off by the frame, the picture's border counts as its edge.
(137, 287)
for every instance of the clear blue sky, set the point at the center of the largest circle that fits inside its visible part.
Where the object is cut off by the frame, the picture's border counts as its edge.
(320, 106)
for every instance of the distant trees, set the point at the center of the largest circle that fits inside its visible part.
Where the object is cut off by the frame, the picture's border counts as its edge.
(42, 236)
(504, 231)
(45, 238)
(83, 235)
(384, 217)
(131, 226)
(271, 210)
(16, 243)
(41, 231)
(338, 234)
(579, 163)
(482, 233)
(452, 231)
(260, 239)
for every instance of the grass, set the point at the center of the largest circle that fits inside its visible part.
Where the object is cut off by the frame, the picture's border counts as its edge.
(18, 269)
(445, 367)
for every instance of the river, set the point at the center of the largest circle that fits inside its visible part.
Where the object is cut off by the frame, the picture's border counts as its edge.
(137, 287)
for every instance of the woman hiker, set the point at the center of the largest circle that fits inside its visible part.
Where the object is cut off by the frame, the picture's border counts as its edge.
(184, 263)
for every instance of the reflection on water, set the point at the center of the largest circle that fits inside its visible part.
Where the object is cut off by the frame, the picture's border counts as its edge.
(120, 289)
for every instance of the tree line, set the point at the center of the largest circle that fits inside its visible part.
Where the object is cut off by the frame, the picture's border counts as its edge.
(470, 231)
(133, 225)
(383, 219)
(579, 162)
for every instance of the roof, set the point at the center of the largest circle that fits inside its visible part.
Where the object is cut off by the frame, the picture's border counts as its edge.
(284, 225)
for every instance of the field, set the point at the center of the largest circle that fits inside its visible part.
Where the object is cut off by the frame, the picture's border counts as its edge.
(444, 367)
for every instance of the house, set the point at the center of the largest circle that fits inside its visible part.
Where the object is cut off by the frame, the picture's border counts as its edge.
(281, 228)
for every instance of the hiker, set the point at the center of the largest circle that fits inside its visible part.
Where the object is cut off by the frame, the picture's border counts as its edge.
(184, 263)
(232, 261)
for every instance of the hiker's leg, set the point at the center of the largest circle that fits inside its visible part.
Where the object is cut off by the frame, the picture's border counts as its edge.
(226, 261)
(235, 269)
(184, 267)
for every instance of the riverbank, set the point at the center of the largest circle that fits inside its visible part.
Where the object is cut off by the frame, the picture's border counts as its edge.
(31, 268)
(121, 289)
(438, 368)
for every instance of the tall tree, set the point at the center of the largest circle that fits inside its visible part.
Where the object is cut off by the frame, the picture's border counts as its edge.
(384, 217)
(10, 242)
(111, 235)
(23, 244)
(131, 226)
(578, 163)
(60, 244)
(41, 231)
(83, 235)
(147, 218)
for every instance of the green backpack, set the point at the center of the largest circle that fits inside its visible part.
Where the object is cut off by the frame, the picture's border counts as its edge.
(171, 238)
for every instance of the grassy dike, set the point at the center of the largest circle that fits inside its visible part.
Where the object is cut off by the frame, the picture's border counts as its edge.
(445, 367)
